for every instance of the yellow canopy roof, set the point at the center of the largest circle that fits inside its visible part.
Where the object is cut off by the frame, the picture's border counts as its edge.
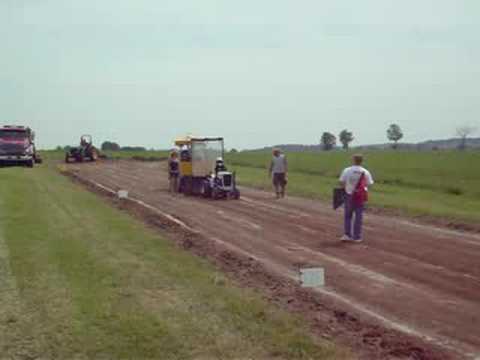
(187, 140)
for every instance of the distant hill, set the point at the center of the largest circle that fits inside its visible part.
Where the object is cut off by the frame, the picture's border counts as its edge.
(449, 144)
(446, 144)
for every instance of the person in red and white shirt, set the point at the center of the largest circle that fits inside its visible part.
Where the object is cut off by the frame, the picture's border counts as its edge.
(355, 180)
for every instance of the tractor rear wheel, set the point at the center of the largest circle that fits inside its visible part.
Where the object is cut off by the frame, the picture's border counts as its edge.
(206, 190)
(94, 155)
(186, 186)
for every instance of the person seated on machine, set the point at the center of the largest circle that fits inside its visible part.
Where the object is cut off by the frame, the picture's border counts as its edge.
(220, 166)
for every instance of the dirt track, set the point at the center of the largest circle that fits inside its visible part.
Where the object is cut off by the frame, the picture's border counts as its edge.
(419, 280)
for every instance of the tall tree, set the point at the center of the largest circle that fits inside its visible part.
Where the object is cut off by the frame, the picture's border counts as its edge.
(463, 132)
(346, 137)
(328, 141)
(394, 133)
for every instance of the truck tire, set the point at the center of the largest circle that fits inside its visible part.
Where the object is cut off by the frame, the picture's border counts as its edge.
(30, 163)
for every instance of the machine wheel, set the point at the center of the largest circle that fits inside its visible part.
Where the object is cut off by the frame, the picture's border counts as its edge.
(94, 155)
(216, 194)
(30, 163)
(67, 158)
(206, 190)
(186, 185)
(236, 195)
(202, 190)
(181, 186)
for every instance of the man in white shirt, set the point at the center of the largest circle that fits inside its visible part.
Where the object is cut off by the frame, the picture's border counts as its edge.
(278, 171)
(353, 179)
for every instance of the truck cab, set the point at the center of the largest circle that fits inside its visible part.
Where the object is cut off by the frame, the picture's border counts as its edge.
(17, 146)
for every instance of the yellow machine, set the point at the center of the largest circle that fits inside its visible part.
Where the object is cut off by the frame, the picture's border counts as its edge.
(202, 171)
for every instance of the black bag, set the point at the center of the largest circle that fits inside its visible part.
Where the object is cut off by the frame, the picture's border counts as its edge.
(339, 195)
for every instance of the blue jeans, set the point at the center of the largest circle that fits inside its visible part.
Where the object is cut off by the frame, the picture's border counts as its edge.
(352, 210)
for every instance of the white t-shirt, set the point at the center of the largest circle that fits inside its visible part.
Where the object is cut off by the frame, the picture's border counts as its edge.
(351, 175)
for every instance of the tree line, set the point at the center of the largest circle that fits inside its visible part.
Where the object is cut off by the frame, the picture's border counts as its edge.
(328, 141)
(113, 146)
(109, 146)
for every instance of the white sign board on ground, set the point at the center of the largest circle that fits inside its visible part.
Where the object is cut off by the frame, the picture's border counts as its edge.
(122, 194)
(312, 278)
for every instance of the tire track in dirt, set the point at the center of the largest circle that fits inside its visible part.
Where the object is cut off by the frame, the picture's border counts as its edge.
(411, 293)
(426, 276)
(395, 246)
(312, 229)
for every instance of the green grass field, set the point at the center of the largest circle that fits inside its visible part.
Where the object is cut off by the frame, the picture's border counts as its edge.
(441, 184)
(80, 279)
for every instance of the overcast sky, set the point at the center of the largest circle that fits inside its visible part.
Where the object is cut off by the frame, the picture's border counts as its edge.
(258, 72)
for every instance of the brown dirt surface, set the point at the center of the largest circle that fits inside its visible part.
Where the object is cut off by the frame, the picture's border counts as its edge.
(410, 291)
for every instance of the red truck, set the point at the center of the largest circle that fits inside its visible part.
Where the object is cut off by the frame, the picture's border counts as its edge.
(17, 146)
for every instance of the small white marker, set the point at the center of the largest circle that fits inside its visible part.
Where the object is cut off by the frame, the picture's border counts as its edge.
(122, 194)
(312, 278)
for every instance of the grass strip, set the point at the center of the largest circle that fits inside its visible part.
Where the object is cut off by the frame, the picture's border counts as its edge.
(92, 282)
